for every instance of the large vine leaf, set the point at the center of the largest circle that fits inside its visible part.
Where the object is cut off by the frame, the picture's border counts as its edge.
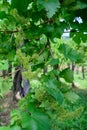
(35, 120)
(67, 74)
(52, 88)
(69, 53)
(50, 6)
(72, 97)
(54, 62)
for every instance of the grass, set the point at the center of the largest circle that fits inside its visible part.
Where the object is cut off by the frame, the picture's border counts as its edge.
(79, 81)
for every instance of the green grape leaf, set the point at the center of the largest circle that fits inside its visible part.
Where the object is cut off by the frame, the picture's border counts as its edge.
(20, 5)
(74, 56)
(1, 66)
(50, 6)
(84, 38)
(4, 65)
(72, 97)
(54, 62)
(67, 74)
(2, 15)
(35, 120)
(5, 128)
(11, 55)
(69, 53)
(68, 2)
(79, 5)
(65, 49)
(52, 88)
(15, 128)
(8, 128)
(34, 32)
(77, 38)
(43, 57)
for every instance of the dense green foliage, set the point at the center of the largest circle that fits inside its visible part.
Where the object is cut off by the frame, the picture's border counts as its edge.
(31, 35)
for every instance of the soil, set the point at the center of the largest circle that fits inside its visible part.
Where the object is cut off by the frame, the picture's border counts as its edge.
(6, 105)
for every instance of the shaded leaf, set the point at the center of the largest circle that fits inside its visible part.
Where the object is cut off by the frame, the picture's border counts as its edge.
(2, 15)
(20, 5)
(79, 5)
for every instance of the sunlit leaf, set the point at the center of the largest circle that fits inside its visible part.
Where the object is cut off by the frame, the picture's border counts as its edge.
(52, 88)
(35, 120)
(72, 97)
(67, 74)
(50, 6)
(54, 62)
